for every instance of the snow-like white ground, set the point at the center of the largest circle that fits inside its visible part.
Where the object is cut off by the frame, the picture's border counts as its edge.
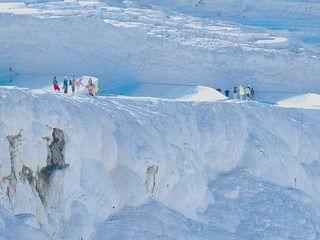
(161, 154)
(19, 226)
(224, 169)
(298, 17)
(170, 91)
(304, 101)
(167, 91)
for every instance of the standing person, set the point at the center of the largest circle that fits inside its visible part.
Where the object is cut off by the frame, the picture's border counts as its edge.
(248, 93)
(55, 84)
(65, 85)
(90, 87)
(241, 91)
(235, 91)
(251, 93)
(72, 83)
(78, 84)
(11, 73)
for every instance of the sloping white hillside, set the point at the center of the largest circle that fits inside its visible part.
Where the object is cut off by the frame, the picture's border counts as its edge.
(160, 154)
(245, 208)
(123, 151)
(303, 101)
(23, 226)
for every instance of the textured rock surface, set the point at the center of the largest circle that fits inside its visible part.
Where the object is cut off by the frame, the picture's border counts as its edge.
(56, 147)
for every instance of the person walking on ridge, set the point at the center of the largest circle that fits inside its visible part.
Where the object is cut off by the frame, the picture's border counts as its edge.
(251, 93)
(241, 91)
(248, 93)
(235, 91)
(79, 84)
(90, 87)
(72, 83)
(65, 85)
(55, 84)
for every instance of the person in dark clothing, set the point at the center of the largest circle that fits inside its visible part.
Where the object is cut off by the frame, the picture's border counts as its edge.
(248, 93)
(251, 93)
(235, 91)
(72, 83)
(65, 85)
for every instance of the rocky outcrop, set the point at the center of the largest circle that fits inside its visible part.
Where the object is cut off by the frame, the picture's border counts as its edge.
(14, 143)
(41, 179)
(55, 161)
(55, 150)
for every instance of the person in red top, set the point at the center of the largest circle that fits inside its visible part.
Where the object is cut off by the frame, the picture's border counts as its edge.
(55, 84)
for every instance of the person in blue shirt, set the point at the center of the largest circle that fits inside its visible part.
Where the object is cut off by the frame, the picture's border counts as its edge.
(65, 85)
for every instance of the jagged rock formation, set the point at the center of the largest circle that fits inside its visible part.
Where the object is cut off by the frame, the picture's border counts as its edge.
(11, 179)
(14, 143)
(55, 160)
(55, 150)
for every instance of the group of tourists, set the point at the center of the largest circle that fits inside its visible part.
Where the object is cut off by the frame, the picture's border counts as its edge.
(76, 85)
(242, 92)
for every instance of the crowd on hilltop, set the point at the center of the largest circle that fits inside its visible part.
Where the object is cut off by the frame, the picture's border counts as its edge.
(75, 85)
(244, 93)
(86, 86)
(241, 92)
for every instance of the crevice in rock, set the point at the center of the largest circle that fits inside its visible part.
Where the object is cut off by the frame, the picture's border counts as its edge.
(14, 144)
(150, 182)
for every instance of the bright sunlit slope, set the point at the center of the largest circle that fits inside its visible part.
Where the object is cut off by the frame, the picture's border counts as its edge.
(123, 151)
(173, 158)
(309, 100)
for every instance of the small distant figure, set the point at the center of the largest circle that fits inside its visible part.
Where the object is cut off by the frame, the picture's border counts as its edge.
(241, 91)
(55, 84)
(235, 91)
(72, 83)
(226, 93)
(65, 85)
(90, 87)
(251, 94)
(11, 73)
(248, 93)
(218, 89)
(78, 84)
